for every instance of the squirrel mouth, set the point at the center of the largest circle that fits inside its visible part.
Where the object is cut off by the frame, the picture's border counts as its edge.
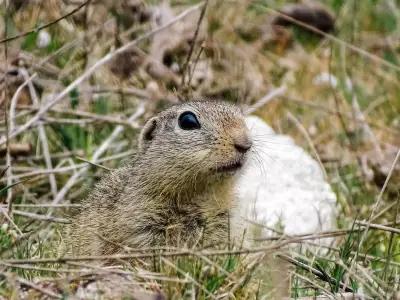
(229, 167)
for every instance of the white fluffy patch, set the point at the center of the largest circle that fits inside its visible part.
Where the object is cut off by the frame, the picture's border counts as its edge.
(43, 39)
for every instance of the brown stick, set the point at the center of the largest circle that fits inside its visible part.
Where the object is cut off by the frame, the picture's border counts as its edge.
(40, 217)
(17, 150)
(196, 33)
(378, 226)
(181, 253)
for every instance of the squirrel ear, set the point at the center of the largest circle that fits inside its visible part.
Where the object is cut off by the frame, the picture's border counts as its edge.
(147, 133)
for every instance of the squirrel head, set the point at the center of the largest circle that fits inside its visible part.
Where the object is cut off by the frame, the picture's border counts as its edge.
(201, 138)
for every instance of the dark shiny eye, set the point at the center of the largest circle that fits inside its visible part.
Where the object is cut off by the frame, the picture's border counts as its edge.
(188, 121)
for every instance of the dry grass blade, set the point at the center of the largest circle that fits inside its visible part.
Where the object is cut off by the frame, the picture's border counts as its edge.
(267, 98)
(185, 68)
(93, 163)
(40, 217)
(309, 140)
(179, 253)
(378, 226)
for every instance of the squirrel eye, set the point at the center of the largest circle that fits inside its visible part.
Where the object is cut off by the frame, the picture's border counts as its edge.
(188, 121)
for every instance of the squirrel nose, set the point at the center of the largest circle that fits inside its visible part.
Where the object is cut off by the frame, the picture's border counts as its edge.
(242, 145)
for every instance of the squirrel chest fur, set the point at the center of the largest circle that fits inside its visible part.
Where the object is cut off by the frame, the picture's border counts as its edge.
(177, 191)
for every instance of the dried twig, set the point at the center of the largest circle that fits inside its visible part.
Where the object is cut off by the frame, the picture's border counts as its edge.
(309, 140)
(97, 117)
(93, 163)
(311, 236)
(44, 205)
(267, 98)
(42, 269)
(70, 168)
(148, 254)
(41, 217)
(193, 43)
(90, 117)
(378, 226)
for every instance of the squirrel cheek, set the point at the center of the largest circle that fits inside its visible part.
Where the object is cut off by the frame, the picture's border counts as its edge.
(202, 154)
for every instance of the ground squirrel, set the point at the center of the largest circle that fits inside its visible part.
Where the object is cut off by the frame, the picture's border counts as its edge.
(178, 189)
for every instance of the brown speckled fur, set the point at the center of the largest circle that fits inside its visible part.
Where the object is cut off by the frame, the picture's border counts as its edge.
(170, 194)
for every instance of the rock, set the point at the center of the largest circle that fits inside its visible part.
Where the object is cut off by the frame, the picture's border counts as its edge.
(283, 187)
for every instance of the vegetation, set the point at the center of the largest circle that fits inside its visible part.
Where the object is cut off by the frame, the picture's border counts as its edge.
(70, 95)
